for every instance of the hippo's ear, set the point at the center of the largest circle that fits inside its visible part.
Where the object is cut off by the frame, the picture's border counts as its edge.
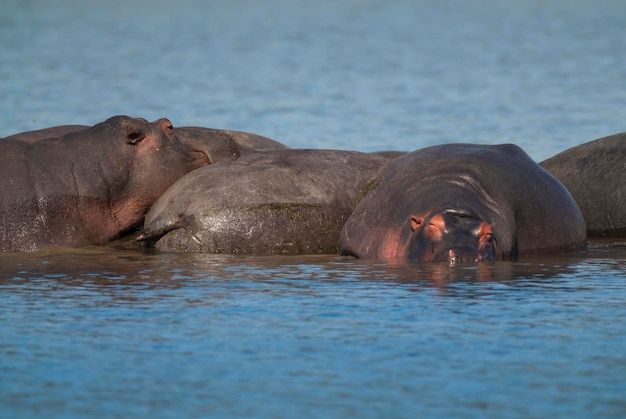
(134, 135)
(484, 232)
(416, 222)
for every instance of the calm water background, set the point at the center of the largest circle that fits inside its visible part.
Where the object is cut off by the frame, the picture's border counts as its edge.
(109, 333)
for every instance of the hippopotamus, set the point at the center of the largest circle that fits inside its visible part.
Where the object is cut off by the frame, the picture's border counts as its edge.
(89, 186)
(595, 175)
(291, 201)
(246, 142)
(463, 203)
(45, 133)
(391, 154)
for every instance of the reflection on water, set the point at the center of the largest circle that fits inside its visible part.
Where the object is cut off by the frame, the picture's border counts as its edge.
(112, 267)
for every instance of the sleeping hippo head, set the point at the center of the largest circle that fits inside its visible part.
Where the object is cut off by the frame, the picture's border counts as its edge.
(464, 202)
(452, 235)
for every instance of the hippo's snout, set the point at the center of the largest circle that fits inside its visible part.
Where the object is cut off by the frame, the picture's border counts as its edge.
(452, 235)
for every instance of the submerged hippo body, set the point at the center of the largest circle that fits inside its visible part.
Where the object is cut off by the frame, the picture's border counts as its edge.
(280, 202)
(464, 202)
(595, 175)
(88, 186)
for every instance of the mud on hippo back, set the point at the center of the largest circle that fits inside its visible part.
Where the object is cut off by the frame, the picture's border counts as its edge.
(278, 202)
(464, 202)
(595, 175)
(87, 187)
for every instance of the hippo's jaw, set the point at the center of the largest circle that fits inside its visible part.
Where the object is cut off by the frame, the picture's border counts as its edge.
(454, 236)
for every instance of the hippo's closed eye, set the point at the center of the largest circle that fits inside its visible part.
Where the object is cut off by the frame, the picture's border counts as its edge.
(436, 228)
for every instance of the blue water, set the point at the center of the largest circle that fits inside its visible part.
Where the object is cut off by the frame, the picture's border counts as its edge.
(110, 333)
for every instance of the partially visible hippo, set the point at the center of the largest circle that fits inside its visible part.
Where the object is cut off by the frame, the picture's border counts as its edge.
(45, 133)
(246, 142)
(464, 202)
(89, 186)
(595, 175)
(279, 202)
(391, 154)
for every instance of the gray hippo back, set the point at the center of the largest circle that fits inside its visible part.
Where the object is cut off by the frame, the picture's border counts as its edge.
(595, 175)
(279, 202)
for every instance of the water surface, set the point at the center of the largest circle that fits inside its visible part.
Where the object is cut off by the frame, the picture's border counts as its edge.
(113, 333)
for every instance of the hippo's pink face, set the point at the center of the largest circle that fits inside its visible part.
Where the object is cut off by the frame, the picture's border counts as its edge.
(451, 235)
